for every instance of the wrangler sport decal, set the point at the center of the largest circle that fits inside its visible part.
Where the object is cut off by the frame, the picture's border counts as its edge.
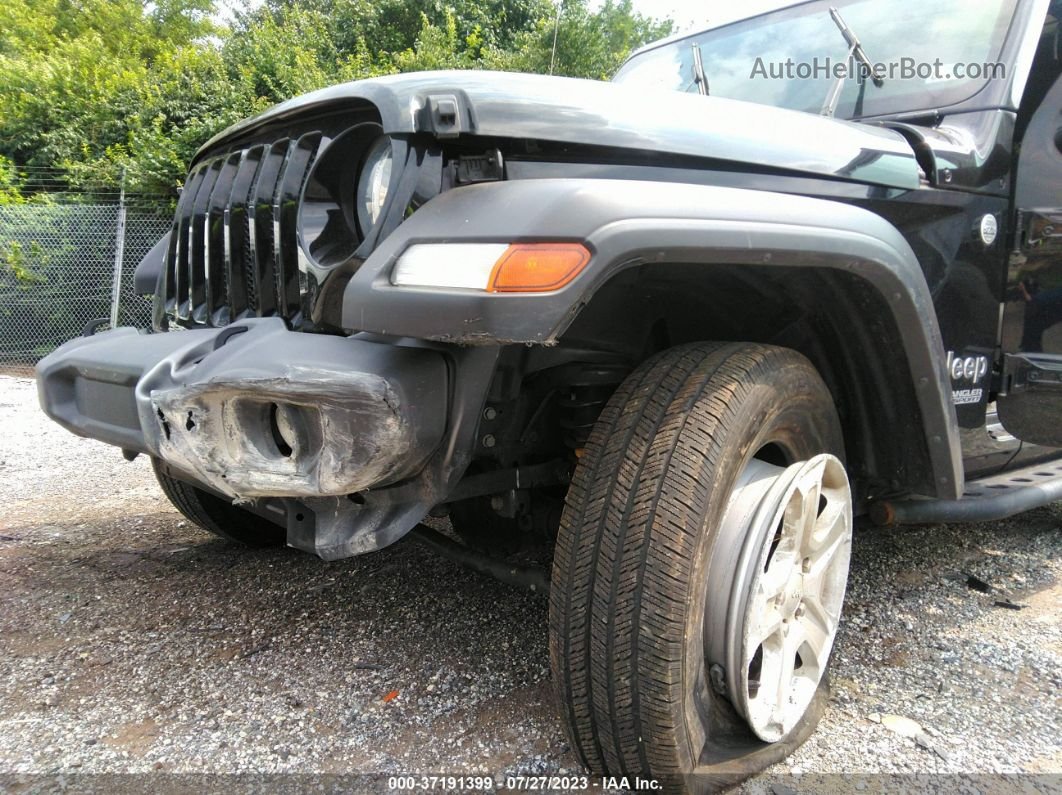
(966, 373)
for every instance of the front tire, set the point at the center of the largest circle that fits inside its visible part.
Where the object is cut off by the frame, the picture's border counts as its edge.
(699, 501)
(217, 516)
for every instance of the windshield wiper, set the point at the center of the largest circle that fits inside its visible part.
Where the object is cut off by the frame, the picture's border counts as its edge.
(698, 70)
(855, 50)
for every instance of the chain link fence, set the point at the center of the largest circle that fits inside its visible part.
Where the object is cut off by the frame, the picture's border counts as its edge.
(64, 264)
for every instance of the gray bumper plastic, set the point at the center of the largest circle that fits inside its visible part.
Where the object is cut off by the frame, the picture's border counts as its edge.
(254, 410)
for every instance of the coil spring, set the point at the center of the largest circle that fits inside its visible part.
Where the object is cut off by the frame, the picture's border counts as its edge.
(585, 397)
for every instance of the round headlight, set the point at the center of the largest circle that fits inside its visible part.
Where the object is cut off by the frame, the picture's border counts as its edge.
(373, 180)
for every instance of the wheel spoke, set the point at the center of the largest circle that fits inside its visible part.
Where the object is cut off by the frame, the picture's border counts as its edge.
(773, 581)
(816, 631)
(831, 527)
(797, 521)
(772, 662)
(810, 514)
(833, 539)
(783, 685)
(833, 521)
(768, 622)
(822, 557)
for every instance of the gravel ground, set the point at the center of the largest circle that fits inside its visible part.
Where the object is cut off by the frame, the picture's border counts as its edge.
(130, 641)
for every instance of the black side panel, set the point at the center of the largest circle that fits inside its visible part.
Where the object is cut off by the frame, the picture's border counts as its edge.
(1040, 165)
(627, 224)
(1031, 408)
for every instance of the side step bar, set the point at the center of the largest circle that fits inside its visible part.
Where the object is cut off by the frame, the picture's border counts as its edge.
(985, 500)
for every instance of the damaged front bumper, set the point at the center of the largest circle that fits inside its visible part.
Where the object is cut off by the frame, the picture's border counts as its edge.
(254, 410)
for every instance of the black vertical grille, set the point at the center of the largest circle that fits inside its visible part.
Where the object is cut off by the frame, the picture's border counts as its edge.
(234, 248)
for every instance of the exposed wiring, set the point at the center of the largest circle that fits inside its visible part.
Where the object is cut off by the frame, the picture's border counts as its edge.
(1010, 460)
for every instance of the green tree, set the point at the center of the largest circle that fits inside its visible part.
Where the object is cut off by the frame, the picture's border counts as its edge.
(104, 90)
(10, 191)
(74, 75)
(590, 44)
(394, 26)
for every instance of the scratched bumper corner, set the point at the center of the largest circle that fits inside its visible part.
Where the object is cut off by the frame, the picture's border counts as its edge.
(254, 410)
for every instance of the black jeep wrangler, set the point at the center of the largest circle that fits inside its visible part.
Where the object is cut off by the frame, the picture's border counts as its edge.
(678, 329)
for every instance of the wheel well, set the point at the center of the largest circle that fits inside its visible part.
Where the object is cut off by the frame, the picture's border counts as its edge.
(835, 318)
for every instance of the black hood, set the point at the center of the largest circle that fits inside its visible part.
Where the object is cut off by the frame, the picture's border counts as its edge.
(565, 110)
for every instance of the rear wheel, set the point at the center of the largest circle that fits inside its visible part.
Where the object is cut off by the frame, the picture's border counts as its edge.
(700, 567)
(216, 515)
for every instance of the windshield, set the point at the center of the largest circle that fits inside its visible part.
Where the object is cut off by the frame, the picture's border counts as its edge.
(787, 58)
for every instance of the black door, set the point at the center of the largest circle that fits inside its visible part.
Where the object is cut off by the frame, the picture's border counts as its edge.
(1031, 408)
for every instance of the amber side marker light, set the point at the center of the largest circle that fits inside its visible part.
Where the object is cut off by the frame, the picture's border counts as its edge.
(491, 267)
(537, 267)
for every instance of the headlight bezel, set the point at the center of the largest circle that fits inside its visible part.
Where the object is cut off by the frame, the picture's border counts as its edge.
(330, 229)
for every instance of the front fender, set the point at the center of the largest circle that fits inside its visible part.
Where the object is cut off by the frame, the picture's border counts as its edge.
(631, 223)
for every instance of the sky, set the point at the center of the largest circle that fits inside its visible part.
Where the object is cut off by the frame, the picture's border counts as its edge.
(700, 13)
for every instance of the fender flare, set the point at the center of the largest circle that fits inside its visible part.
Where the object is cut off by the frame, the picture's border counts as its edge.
(628, 223)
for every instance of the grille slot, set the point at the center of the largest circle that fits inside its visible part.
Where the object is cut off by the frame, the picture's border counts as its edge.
(234, 247)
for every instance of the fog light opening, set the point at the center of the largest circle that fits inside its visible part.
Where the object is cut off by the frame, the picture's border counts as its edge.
(282, 443)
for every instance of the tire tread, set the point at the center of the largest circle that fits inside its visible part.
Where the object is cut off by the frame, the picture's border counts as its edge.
(626, 546)
(216, 516)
